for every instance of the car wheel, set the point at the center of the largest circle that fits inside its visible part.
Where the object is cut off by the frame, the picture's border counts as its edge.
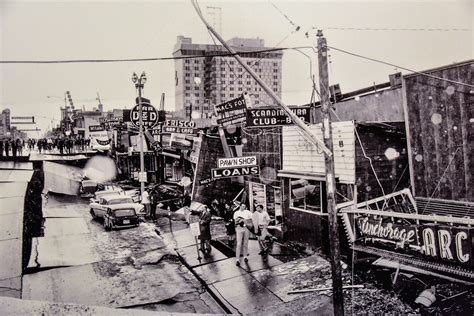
(106, 227)
(93, 214)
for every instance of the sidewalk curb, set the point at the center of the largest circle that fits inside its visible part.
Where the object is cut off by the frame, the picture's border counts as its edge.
(228, 308)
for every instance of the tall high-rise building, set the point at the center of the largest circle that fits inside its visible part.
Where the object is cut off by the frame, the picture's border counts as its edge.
(208, 80)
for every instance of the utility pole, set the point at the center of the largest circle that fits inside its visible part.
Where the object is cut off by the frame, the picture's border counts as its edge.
(335, 252)
(139, 84)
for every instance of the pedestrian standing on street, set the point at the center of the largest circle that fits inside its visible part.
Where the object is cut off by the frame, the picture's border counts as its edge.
(242, 218)
(187, 207)
(1, 147)
(19, 145)
(14, 147)
(261, 219)
(146, 203)
(7, 147)
(205, 229)
(229, 224)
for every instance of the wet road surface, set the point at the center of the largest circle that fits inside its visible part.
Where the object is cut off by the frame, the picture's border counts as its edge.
(77, 261)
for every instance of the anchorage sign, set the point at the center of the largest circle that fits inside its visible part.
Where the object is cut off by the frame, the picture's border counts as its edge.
(448, 243)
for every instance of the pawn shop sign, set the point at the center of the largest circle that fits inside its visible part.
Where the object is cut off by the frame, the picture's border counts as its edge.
(149, 114)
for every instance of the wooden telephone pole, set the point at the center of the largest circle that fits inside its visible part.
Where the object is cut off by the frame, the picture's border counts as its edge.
(335, 252)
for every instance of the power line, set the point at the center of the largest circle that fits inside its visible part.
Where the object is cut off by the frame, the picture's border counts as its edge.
(400, 67)
(391, 29)
(267, 50)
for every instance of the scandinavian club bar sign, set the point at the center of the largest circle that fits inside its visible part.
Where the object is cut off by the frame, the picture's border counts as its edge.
(235, 167)
(273, 116)
(440, 242)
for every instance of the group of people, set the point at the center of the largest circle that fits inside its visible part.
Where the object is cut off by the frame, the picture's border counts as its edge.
(246, 223)
(13, 145)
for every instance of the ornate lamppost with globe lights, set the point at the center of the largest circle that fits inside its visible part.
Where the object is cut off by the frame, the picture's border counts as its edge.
(139, 85)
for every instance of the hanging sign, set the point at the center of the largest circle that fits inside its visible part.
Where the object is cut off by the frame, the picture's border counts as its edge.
(271, 116)
(149, 114)
(234, 172)
(181, 127)
(236, 162)
(231, 112)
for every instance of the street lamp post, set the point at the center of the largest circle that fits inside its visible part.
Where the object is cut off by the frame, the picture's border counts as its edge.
(139, 84)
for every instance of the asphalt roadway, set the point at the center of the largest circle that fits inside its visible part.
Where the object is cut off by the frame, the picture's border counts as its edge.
(78, 262)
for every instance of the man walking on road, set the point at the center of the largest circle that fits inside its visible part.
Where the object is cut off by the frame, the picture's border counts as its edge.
(146, 203)
(242, 218)
(261, 219)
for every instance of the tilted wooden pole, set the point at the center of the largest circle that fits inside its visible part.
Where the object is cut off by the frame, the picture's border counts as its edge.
(338, 299)
(307, 133)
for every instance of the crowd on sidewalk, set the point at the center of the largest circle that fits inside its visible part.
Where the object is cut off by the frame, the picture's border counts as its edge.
(65, 145)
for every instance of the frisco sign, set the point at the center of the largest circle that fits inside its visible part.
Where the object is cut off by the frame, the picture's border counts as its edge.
(178, 126)
(235, 167)
(231, 112)
(448, 243)
(266, 116)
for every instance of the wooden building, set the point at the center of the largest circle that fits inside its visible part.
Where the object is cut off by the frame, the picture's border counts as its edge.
(439, 115)
(370, 159)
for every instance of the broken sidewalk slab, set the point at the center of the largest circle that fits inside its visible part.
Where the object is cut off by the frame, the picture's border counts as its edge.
(12, 189)
(15, 175)
(61, 178)
(190, 255)
(65, 226)
(61, 212)
(11, 287)
(181, 238)
(246, 294)
(12, 205)
(219, 271)
(10, 258)
(16, 165)
(108, 283)
(14, 306)
(60, 251)
(11, 226)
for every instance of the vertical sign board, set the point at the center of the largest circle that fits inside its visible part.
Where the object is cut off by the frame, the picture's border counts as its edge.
(231, 112)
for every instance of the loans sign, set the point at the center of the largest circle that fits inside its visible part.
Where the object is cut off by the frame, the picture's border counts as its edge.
(234, 172)
(231, 112)
(266, 116)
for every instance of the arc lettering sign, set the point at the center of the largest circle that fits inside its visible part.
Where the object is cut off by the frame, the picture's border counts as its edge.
(270, 116)
(231, 112)
(149, 114)
(451, 244)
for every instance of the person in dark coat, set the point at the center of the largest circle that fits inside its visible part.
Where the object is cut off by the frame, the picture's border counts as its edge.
(7, 147)
(1, 147)
(229, 224)
(14, 148)
(205, 227)
(19, 146)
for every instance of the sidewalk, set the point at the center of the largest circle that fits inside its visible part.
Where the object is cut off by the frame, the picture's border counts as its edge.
(262, 284)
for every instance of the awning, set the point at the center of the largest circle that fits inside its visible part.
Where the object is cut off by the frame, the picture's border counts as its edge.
(301, 175)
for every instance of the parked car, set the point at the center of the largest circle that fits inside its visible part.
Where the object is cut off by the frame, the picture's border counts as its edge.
(99, 208)
(167, 195)
(120, 216)
(89, 187)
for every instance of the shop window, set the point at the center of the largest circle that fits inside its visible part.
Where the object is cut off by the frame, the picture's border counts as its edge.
(306, 195)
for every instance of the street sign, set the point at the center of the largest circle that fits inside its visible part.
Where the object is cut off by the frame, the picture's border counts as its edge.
(237, 162)
(206, 181)
(96, 128)
(270, 116)
(231, 112)
(149, 114)
(234, 172)
(142, 177)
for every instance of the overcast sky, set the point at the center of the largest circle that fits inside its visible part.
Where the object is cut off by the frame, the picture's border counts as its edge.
(64, 30)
